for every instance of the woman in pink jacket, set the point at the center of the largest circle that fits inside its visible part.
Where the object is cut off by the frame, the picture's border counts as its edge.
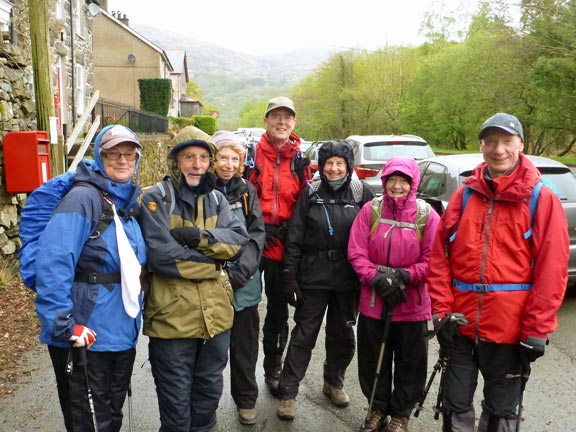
(390, 254)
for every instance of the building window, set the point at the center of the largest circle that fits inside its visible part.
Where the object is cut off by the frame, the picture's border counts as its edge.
(77, 18)
(79, 86)
(59, 9)
(5, 12)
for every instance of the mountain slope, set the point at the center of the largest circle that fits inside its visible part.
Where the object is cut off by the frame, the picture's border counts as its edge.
(228, 79)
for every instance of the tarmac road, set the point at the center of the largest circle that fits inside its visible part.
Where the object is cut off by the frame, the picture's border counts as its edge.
(549, 403)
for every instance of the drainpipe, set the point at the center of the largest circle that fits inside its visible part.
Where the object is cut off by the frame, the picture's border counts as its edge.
(72, 74)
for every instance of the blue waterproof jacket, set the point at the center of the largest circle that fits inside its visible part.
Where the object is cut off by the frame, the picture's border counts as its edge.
(65, 248)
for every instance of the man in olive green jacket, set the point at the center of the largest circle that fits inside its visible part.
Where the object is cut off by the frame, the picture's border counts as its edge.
(190, 233)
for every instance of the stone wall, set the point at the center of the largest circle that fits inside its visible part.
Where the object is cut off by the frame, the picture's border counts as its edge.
(17, 113)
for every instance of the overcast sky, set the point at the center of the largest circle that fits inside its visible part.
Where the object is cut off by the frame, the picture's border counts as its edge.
(265, 26)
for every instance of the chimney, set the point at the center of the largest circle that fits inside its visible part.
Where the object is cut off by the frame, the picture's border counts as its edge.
(124, 20)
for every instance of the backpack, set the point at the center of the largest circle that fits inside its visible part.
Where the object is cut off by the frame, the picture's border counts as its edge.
(422, 212)
(37, 213)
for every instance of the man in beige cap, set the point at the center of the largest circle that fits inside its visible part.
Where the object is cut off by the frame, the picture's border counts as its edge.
(281, 171)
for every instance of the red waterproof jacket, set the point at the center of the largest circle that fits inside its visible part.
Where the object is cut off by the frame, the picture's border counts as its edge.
(489, 248)
(276, 184)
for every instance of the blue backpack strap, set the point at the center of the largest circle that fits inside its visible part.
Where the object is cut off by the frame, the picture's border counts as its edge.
(466, 194)
(533, 204)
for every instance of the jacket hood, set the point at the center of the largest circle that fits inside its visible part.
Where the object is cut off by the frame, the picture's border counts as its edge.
(332, 149)
(99, 165)
(189, 133)
(406, 166)
(125, 194)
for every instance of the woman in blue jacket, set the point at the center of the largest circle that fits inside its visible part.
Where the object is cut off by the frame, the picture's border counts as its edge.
(82, 299)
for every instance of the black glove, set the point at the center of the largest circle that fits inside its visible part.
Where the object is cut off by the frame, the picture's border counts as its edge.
(403, 276)
(290, 289)
(389, 287)
(447, 329)
(530, 351)
(274, 235)
(237, 279)
(187, 236)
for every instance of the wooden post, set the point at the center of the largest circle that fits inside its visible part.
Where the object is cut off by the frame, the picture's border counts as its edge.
(39, 39)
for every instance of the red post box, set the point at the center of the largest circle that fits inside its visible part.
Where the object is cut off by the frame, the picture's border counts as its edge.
(26, 160)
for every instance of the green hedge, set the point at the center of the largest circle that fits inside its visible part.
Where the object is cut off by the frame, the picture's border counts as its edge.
(206, 123)
(182, 122)
(155, 95)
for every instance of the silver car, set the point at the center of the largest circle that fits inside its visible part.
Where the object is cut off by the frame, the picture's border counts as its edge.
(372, 151)
(440, 177)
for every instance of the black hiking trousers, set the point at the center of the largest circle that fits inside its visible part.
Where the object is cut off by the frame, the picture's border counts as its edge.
(404, 366)
(244, 356)
(341, 309)
(275, 330)
(109, 376)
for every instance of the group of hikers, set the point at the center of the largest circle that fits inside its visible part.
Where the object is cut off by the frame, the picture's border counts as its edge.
(490, 273)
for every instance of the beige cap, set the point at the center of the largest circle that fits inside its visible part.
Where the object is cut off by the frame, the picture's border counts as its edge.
(279, 102)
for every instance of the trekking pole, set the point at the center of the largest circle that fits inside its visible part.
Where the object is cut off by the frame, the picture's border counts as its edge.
(420, 404)
(387, 317)
(524, 379)
(84, 363)
(438, 407)
(130, 406)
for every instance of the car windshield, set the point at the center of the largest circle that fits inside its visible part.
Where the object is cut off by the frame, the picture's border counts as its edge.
(384, 151)
(561, 182)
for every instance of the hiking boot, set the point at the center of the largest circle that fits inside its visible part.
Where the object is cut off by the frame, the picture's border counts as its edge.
(247, 416)
(272, 382)
(375, 422)
(337, 395)
(398, 424)
(286, 409)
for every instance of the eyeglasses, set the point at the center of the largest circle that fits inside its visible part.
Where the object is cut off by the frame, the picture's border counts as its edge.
(194, 157)
(115, 155)
(278, 117)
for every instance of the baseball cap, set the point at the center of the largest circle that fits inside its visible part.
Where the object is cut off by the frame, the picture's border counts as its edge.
(506, 122)
(279, 102)
(117, 135)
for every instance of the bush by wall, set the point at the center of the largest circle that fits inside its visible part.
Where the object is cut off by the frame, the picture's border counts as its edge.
(206, 123)
(155, 95)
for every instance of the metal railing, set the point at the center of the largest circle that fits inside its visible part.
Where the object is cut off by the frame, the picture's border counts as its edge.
(139, 121)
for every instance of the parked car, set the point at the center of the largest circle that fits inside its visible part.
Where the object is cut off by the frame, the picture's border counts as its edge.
(371, 151)
(312, 153)
(440, 176)
(250, 135)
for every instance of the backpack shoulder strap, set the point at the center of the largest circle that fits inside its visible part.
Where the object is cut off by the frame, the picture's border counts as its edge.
(168, 194)
(422, 213)
(534, 204)
(357, 190)
(375, 214)
(107, 213)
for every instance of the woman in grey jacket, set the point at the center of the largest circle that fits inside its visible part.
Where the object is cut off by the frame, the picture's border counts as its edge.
(243, 274)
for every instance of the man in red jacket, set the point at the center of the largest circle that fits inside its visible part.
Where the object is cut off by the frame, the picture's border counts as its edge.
(501, 283)
(280, 173)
